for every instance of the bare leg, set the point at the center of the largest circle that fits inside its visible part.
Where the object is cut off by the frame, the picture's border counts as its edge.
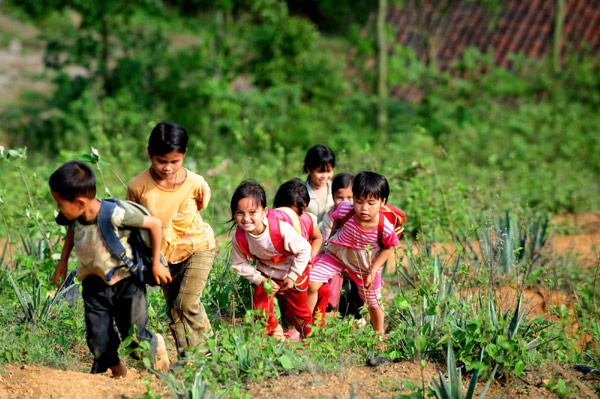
(313, 294)
(377, 317)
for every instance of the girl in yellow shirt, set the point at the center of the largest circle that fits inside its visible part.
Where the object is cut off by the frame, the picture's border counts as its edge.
(176, 195)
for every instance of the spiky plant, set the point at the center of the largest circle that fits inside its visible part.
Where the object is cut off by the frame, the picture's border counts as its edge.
(452, 388)
(35, 305)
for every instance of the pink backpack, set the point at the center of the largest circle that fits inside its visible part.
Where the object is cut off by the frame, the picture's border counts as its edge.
(302, 224)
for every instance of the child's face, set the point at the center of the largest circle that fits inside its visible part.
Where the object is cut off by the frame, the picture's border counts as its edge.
(368, 208)
(70, 209)
(320, 176)
(343, 194)
(167, 165)
(249, 216)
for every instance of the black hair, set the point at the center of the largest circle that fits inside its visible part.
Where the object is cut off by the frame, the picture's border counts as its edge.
(167, 137)
(370, 184)
(290, 193)
(248, 189)
(341, 180)
(318, 157)
(72, 180)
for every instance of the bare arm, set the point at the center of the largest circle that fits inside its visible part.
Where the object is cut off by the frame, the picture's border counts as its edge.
(154, 225)
(334, 227)
(242, 265)
(317, 241)
(131, 196)
(377, 264)
(63, 264)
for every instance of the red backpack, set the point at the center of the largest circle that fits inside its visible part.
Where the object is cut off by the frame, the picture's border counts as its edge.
(302, 224)
(395, 216)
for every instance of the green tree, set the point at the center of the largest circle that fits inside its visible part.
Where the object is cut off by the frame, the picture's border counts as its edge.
(95, 36)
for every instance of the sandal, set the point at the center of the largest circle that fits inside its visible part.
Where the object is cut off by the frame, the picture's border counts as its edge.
(292, 336)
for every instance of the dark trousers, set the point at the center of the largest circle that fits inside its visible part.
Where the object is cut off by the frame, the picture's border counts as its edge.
(124, 304)
(350, 301)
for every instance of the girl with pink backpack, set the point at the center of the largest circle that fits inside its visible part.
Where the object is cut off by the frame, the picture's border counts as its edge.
(280, 255)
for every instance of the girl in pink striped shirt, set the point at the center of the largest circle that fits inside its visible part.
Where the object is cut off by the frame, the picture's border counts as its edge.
(361, 246)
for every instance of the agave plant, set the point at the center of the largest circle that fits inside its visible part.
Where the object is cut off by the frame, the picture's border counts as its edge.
(35, 305)
(510, 244)
(427, 319)
(452, 388)
(197, 389)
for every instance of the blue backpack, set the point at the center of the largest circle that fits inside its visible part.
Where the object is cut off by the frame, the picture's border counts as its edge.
(139, 239)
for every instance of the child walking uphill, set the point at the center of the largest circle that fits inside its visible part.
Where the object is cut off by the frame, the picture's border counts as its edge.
(176, 195)
(349, 302)
(361, 246)
(290, 201)
(319, 163)
(280, 254)
(293, 195)
(341, 189)
(121, 300)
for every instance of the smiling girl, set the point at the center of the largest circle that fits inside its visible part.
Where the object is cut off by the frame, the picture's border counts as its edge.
(276, 273)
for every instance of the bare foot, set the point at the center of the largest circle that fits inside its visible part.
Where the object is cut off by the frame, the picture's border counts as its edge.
(162, 358)
(119, 371)
(277, 333)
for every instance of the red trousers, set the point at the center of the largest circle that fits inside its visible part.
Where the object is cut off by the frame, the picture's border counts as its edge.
(296, 308)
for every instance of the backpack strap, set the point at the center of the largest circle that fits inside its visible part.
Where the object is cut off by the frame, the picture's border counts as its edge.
(380, 226)
(242, 241)
(290, 216)
(277, 239)
(110, 236)
(308, 224)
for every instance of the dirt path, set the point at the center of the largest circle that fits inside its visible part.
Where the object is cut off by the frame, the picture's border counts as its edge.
(41, 383)
(386, 381)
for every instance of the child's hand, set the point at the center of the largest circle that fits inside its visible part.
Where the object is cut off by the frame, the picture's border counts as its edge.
(161, 273)
(287, 284)
(368, 281)
(60, 274)
(270, 286)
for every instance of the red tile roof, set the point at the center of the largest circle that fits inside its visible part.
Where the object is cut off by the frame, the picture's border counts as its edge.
(521, 26)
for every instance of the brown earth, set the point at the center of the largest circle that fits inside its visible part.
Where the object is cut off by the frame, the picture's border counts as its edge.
(41, 383)
(382, 382)
(18, 73)
(390, 381)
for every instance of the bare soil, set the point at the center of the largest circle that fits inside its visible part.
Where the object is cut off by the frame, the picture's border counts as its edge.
(37, 382)
(19, 72)
(386, 381)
